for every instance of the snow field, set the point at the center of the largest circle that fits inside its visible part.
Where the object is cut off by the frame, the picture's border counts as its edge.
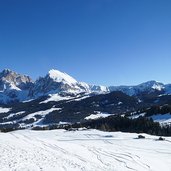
(86, 150)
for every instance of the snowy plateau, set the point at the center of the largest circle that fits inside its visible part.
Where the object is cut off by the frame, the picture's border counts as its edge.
(83, 150)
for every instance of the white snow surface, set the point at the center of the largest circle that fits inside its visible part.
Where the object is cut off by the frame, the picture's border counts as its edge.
(137, 116)
(158, 87)
(98, 115)
(59, 76)
(55, 98)
(86, 150)
(42, 113)
(120, 103)
(4, 110)
(14, 114)
(103, 88)
(12, 86)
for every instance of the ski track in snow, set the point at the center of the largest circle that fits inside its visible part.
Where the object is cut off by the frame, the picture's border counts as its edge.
(88, 150)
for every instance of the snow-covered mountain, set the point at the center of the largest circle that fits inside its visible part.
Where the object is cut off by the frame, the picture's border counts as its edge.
(147, 87)
(55, 82)
(63, 84)
(16, 87)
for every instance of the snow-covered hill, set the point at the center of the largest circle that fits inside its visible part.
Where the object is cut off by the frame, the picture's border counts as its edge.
(52, 111)
(85, 150)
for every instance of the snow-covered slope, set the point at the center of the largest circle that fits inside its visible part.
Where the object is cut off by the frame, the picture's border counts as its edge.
(4, 110)
(58, 76)
(88, 150)
(97, 115)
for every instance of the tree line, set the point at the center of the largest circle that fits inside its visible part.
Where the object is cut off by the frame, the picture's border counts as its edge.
(124, 124)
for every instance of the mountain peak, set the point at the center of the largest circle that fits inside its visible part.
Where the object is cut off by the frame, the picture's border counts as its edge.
(6, 72)
(153, 84)
(12, 85)
(59, 76)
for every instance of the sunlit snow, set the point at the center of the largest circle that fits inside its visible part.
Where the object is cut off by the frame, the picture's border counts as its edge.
(4, 110)
(61, 76)
(88, 150)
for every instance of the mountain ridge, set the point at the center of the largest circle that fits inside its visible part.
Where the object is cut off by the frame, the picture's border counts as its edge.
(17, 87)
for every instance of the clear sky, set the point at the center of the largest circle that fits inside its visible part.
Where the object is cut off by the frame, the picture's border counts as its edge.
(107, 42)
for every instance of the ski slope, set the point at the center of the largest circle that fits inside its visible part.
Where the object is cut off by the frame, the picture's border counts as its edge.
(84, 150)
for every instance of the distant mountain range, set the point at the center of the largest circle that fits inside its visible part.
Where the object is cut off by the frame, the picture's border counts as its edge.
(16, 87)
(58, 98)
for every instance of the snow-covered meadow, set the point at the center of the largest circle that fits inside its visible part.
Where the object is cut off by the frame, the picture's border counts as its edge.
(84, 150)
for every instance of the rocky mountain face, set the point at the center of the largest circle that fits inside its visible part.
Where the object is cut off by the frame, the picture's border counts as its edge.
(14, 86)
(55, 82)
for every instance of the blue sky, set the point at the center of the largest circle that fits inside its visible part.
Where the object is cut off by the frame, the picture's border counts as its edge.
(107, 42)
